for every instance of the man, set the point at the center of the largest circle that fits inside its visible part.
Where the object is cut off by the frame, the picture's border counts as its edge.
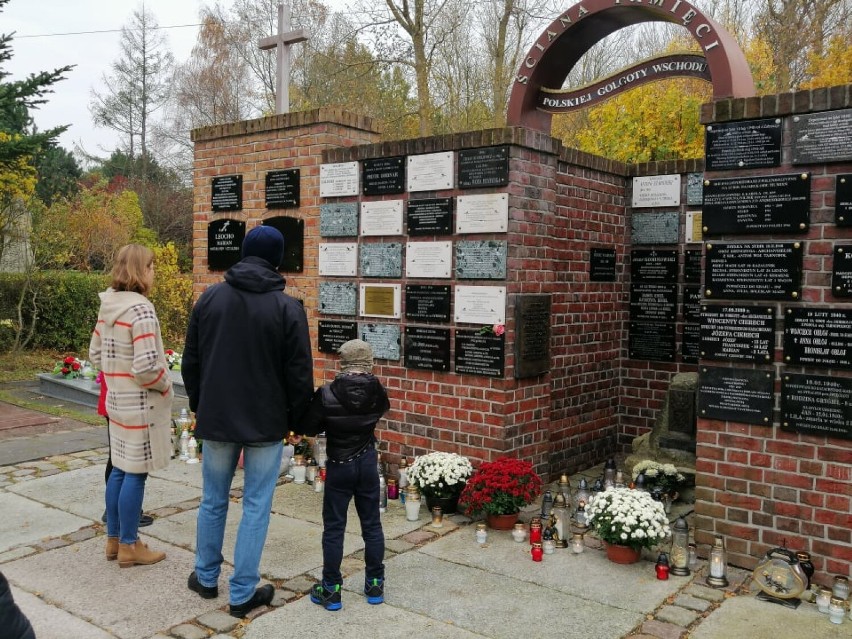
(248, 372)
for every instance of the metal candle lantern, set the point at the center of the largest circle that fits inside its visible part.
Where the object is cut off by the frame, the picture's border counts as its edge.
(559, 514)
(718, 577)
(662, 567)
(609, 473)
(680, 548)
(582, 495)
(546, 504)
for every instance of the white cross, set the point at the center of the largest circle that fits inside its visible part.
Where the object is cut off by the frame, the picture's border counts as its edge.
(282, 40)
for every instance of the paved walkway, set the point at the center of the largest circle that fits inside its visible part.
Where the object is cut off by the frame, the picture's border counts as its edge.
(440, 582)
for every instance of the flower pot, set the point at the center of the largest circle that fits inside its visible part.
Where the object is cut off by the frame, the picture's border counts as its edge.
(449, 505)
(619, 554)
(501, 522)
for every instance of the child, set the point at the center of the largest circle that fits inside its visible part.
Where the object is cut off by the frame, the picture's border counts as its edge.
(347, 410)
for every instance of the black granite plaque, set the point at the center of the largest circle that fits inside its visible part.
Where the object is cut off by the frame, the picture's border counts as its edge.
(224, 243)
(736, 395)
(843, 200)
(427, 302)
(383, 175)
(427, 348)
(824, 137)
(602, 265)
(485, 167)
(652, 341)
(817, 405)
(689, 346)
(532, 335)
(758, 204)
(841, 272)
(293, 231)
(692, 304)
(694, 189)
(743, 145)
(818, 337)
(433, 216)
(384, 338)
(282, 189)
(227, 193)
(738, 333)
(480, 354)
(692, 267)
(332, 335)
(652, 301)
(653, 266)
(758, 271)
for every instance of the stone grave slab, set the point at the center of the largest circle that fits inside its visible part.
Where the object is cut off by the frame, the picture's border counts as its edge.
(51, 622)
(589, 575)
(161, 587)
(26, 521)
(81, 491)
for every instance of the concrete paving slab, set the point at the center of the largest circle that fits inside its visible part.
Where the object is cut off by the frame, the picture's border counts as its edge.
(357, 619)
(81, 491)
(21, 449)
(155, 597)
(292, 546)
(493, 604)
(746, 616)
(51, 622)
(26, 522)
(190, 474)
(589, 575)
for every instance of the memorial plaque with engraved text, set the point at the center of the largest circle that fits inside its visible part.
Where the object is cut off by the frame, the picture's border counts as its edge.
(282, 189)
(484, 260)
(602, 265)
(480, 304)
(652, 301)
(227, 193)
(381, 300)
(738, 333)
(433, 216)
(430, 172)
(487, 213)
(655, 228)
(381, 259)
(427, 348)
(383, 217)
(652, 341)
(432, 260)
(689, 346)
(817, 405)
(427, 302)
(818, 337)
(843, 200)
(656, 190)
(485, 167)
(338, 298)
(692, 304)
(743, 145)
(383, 176)
(384, 338)
(338, 180)
(332, 335)
(653, 266)
(736, 395)
(692, 266)
(758, 271)
(480, 354)
(694, 189)
(338, 259)
(293, 230)
(758, 204)
(339, 220)
(822, 137)
(224, 243)
(841, 272)
(532, 335)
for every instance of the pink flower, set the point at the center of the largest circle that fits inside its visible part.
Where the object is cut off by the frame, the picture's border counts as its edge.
(499, 329)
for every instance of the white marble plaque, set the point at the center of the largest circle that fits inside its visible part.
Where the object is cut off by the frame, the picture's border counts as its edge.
(337, 180)
(693, 228)
(656, 190)
(430, 172)
(487, 213)
(338, 259)
(428, 259)
(383, 217)
(381, 300)
(480, 304)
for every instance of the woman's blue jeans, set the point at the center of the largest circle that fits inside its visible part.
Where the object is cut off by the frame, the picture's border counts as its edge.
(124, 493)
(262, 464)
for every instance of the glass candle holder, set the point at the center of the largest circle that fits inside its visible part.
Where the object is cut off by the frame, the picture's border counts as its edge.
(840, 588)
(548, 546)
(535, 532)
(481, 534)
(578, 545)
(662, 567)
(412, 504)
(393, 489)
(519, 532)
(836, 610)
(437, 517)
(537, 551)
(823, 599)
(298, 469)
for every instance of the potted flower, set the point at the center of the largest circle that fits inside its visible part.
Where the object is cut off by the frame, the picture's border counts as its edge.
(664, 477)
(440, 477)
(499, 489)
(173, 359)
(627, 521)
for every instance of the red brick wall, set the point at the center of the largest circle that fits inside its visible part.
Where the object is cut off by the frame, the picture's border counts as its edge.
(762, 487)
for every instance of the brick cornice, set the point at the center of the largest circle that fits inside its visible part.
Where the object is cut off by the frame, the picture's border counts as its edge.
(323, 115)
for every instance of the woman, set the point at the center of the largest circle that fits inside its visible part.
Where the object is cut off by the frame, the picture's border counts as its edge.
(126, 345)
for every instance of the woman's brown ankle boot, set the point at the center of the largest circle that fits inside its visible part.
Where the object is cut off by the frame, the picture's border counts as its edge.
(112, 548)
(137, 554)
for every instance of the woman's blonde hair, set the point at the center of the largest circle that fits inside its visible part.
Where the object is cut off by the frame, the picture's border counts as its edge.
(129, 273)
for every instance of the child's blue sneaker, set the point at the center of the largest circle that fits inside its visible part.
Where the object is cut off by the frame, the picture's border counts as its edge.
(374, 590)
(327, 596)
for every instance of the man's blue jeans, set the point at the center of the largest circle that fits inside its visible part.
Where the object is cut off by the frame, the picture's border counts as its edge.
(262, 464)
(124, 494)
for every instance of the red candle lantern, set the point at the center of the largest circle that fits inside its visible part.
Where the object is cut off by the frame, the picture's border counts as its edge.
(537, 551)
(662, 566)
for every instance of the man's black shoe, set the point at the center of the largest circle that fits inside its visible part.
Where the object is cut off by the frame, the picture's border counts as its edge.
(206, 592)
(103, 517)
(144, 520)
(261, 597)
